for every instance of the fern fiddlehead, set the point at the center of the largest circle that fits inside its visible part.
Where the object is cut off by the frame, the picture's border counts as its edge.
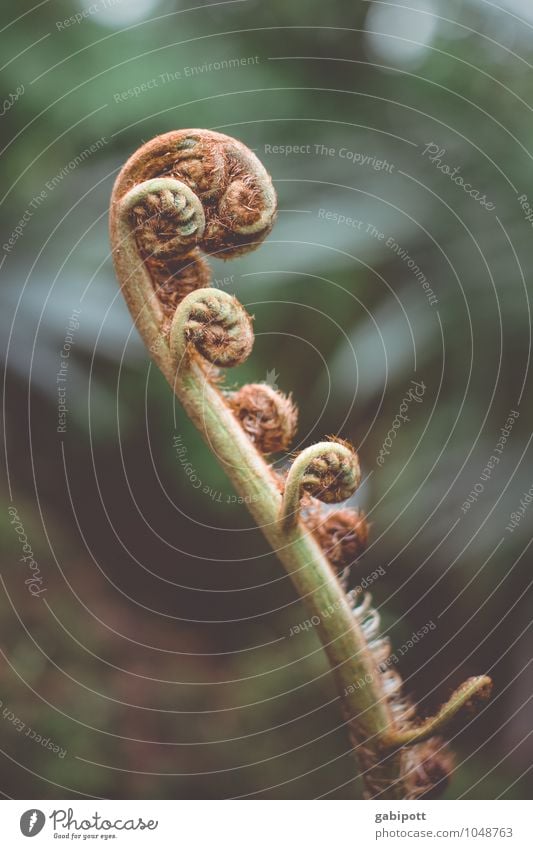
(195, 191)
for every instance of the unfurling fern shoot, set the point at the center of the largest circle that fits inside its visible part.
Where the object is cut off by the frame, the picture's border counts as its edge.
(194, 192)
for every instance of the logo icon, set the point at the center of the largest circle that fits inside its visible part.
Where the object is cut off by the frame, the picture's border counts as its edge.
(272, 378)
(32, 822)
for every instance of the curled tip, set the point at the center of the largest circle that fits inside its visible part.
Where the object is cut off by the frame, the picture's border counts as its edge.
(269, 417)
(332, 472)
(468, 696)
(328, 471)
(342, 534)
(194, 190)
(236, 190)
(215, 324)
(168, 218)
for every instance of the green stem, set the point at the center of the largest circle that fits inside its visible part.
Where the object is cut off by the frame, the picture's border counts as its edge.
(477, 687)
(310, 572)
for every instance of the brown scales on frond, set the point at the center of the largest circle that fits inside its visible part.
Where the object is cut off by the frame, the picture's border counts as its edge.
(229, 182)
(331, 478)
(224, 336)
(268, 417)
(427, 769)
(342, 534)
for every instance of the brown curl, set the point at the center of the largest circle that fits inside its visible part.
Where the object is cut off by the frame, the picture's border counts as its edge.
(235, 192)
(342, 534)
(268, 417)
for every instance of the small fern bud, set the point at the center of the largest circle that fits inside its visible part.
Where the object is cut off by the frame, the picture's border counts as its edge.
(328, 471)
(268, 417)
(216, 324)
(169, 222)
(332, 475)
(342, 534)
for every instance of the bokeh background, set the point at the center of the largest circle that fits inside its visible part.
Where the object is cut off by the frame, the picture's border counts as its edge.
(159, 658)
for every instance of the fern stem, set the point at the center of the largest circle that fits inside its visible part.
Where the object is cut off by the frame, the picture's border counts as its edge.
(365, 708)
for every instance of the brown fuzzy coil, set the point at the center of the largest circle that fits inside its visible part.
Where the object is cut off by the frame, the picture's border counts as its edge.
(221, 331)
(332, 478)
(235, 193)
(342, 534)
(166, 225)
(268, 417)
